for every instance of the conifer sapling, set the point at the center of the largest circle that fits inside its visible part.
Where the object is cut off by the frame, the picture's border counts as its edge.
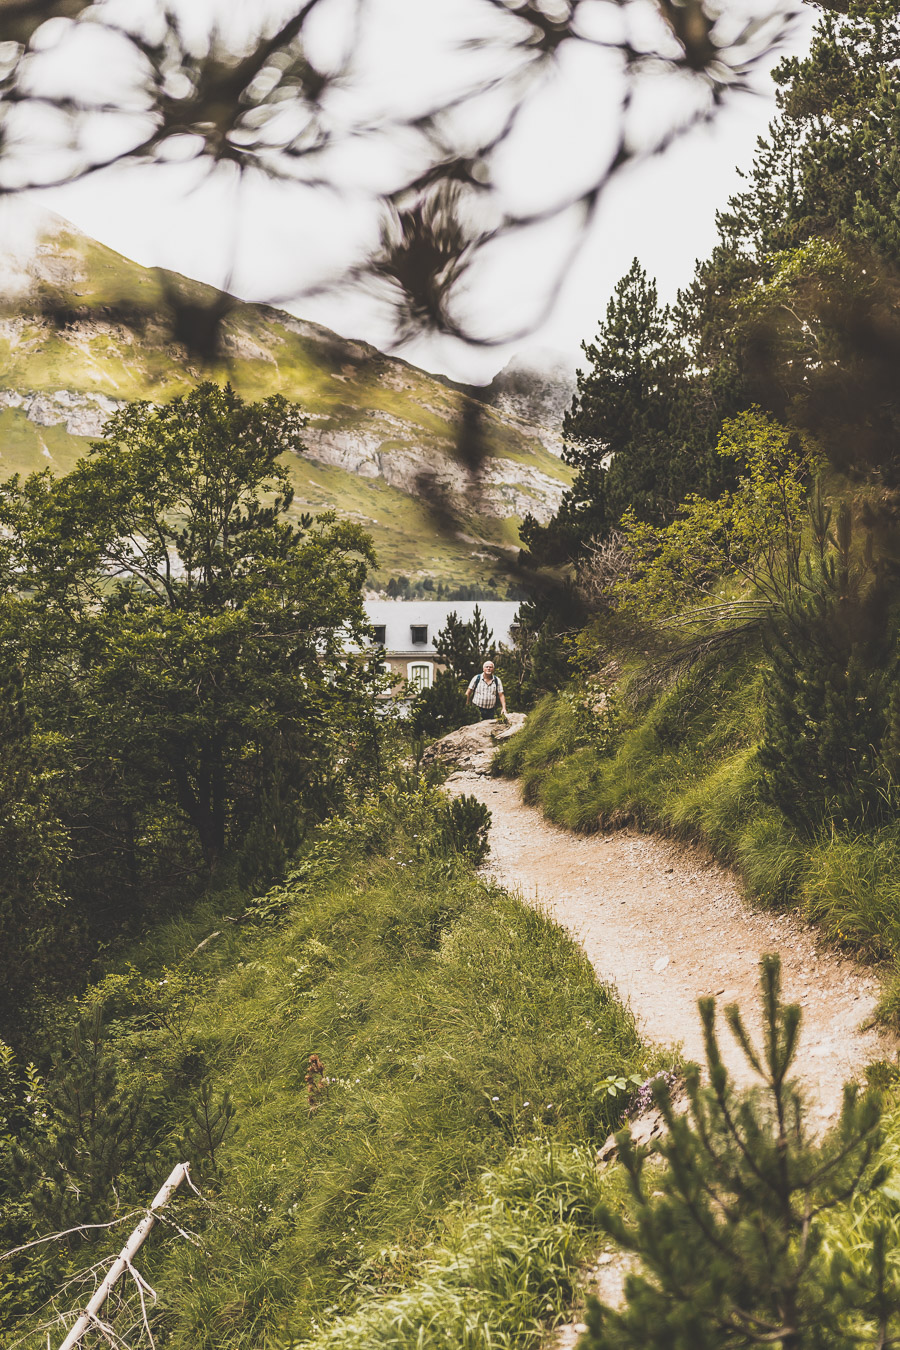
(730, 1236)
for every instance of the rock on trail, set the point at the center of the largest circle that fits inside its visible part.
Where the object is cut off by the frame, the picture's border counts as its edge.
(665, 926)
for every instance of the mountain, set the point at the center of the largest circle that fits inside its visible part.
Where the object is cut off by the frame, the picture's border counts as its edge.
(84, 330)
(535, 389)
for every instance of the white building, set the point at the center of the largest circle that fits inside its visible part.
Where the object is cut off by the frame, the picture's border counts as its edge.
(406, 629)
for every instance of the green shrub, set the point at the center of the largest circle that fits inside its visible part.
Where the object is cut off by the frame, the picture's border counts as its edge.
(464, 828)
(828, 696)
(441, 708)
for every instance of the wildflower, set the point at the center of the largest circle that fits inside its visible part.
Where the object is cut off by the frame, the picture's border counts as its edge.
(495, 1099)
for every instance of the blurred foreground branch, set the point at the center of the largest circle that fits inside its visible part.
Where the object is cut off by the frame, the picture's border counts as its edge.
(87, 86)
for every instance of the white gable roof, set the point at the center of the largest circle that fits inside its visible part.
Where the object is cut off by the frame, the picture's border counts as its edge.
(399, 616)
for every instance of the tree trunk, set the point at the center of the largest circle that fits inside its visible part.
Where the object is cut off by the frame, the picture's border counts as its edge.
(198, 807)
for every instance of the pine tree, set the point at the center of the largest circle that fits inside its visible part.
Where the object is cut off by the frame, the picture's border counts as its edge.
(829, 161)
(834, 670)
(639, 432)
(212, 1121)
(27, 1278)
(729, 1236)
(32, 848)
(611, 411)
(76, 1168)
(796, 310)
(465, 646)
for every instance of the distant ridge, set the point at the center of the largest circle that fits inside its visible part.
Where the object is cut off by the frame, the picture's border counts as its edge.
(84, 330)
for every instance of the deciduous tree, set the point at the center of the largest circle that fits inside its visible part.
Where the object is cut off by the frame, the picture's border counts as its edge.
(203, 631)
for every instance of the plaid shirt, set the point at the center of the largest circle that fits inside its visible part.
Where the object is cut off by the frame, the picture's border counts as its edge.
(485, 694)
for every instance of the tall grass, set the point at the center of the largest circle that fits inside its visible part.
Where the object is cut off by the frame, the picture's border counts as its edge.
(506, 1269)
(456, 1028)
(684, 765)
(851, 886)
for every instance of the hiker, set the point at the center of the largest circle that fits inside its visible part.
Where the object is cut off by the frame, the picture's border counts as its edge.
(484, 691)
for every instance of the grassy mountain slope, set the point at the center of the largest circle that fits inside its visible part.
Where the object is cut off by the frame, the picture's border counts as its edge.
(384, 438)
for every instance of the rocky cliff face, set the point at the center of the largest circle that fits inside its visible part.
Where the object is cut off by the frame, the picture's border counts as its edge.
(501, 487)
(80, 414)
(537, 390)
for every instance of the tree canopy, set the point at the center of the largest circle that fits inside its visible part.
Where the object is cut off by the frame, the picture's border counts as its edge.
(642, 426)
(794, 311)
(182, 646)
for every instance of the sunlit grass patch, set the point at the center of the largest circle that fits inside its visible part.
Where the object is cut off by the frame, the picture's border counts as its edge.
(505, 1270)
(852, 887)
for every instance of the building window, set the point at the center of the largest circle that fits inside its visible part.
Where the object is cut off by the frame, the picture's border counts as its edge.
(380, 631)
(419, 674)
(419, 632)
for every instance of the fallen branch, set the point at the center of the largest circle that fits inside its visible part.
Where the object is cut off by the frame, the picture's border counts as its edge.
(200, 945)
(226, 918)
(67, 1232)
(90, 1317)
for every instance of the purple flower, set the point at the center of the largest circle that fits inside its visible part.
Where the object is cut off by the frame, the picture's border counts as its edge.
(642, 1100)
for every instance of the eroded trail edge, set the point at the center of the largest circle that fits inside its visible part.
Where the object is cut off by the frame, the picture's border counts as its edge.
(665, 926)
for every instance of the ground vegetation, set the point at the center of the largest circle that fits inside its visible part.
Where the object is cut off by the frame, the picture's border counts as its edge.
(342, 1066)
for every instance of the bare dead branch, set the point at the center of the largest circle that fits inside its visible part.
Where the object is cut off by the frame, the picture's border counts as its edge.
(57, 1237)
(90, 1316)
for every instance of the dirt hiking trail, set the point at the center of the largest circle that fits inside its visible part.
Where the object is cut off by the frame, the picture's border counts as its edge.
(665, 926)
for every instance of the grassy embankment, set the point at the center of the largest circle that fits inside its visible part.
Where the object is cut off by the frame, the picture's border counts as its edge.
(686, 764)
(461, 1033)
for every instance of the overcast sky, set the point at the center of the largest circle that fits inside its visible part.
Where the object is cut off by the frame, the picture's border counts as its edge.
(269, 240)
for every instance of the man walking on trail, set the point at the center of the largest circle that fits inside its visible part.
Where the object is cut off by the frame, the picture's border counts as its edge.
(484, 690)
